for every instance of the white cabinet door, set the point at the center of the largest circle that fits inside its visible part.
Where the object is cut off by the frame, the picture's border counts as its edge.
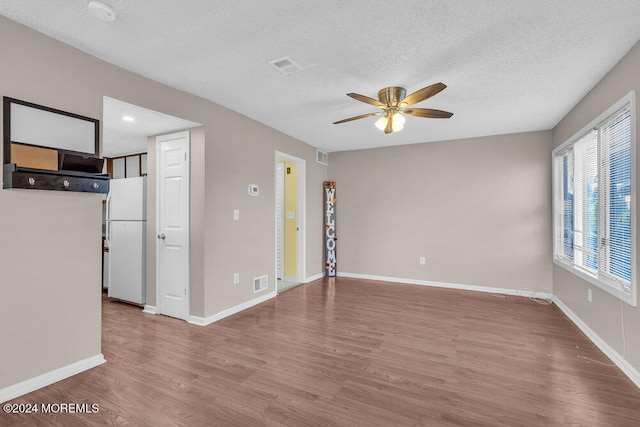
(118, 168)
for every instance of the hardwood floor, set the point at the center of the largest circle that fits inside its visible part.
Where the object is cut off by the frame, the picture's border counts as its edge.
(283, 285)
(349, 352)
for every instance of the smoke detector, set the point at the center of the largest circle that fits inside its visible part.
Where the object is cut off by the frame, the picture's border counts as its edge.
(101, 11)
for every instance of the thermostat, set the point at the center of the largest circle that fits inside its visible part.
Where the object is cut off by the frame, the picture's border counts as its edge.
(254, 190)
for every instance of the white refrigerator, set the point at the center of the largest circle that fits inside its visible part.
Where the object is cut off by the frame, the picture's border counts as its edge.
(126, 239)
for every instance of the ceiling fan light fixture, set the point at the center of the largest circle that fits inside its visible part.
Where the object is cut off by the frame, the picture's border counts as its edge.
(381, 123)
(396, 127)
(391, 123)
(397, 122)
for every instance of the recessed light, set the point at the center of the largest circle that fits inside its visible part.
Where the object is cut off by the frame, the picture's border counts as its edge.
(101, 11)
(128, 119)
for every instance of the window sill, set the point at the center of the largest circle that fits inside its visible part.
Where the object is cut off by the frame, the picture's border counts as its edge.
(607, 286)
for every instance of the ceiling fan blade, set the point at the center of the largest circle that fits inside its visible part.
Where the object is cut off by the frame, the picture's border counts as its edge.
(358, 117)
(424, 93)
(366, 100)
(428, 113)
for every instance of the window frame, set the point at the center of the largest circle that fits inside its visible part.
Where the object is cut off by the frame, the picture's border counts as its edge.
(601, 279)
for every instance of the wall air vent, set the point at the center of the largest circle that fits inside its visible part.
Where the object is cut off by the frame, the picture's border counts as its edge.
(260, 283)
(322, 157)
(286, 65)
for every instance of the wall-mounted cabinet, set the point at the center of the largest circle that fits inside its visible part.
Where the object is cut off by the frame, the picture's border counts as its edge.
(49, 149)
(130, 166)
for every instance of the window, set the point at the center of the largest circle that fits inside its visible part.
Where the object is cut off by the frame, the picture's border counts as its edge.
(594, 202)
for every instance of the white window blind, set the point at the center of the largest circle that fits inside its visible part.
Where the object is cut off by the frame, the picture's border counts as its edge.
(593, 178)
(563, 173)
(585, 202)
(616, 212)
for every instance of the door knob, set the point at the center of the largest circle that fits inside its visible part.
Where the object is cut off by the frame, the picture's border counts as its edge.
(161, 236)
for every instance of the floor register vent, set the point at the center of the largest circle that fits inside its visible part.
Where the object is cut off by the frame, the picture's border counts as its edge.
(260, 283)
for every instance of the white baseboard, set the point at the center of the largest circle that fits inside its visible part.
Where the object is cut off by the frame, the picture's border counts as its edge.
(204, 321)
(625, 366)
(314, 277)
(150, 309)
(48, 378)
(523, 292)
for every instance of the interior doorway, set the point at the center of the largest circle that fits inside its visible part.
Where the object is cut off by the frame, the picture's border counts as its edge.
(128, 131)
(290, 201)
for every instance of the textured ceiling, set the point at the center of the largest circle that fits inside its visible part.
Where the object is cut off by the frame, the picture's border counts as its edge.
(510, 65)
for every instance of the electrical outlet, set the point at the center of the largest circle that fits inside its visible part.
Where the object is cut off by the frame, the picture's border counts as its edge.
(236, 278)
(589, 296)
(236, 214)
(423, 260)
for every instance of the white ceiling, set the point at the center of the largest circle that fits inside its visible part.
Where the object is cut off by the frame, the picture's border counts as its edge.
(510, 65)
(121, 137)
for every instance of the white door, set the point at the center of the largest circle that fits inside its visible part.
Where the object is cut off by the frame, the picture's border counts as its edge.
(173, 225)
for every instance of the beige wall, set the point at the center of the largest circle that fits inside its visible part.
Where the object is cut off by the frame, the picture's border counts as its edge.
(477, 209)
(49, 273)
(197, 222)
(248, 246)
(603, 315)
(50, 264)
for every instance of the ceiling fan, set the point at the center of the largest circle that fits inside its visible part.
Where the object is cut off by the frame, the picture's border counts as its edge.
(394, 103)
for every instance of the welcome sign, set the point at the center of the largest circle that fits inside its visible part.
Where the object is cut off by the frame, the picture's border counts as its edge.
(330, 228)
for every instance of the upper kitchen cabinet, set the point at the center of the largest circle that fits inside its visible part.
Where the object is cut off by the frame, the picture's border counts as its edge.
(49, 149)
(129, 166)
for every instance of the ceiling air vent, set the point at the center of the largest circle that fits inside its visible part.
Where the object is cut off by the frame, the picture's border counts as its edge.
(260, 283)
(286, 65)
(322, 157)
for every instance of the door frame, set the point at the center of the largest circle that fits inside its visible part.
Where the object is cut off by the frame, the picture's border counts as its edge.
(159, 140)
(280, 223)
(301, 216)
